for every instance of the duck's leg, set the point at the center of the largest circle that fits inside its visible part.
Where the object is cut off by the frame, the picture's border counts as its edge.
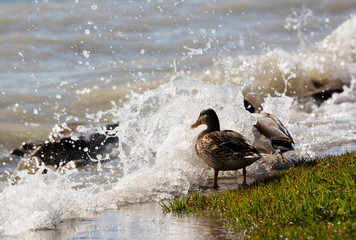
(282, 157)
(244, 175)
(216, 173)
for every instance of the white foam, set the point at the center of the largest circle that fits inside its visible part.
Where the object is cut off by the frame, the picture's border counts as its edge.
(156, 155)
(156, 158)
(329, 63)
(330, 125)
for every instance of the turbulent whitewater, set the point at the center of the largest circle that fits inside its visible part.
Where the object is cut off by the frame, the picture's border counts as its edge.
(151, 68)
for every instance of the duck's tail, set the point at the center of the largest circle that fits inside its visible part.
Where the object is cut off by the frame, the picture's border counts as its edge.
(283, 146)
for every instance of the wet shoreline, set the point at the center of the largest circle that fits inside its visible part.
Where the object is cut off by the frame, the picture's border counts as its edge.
(135, 221)
(147, 220)
(152, 66)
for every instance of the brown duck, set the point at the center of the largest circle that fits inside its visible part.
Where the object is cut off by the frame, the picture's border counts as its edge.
(223, 150)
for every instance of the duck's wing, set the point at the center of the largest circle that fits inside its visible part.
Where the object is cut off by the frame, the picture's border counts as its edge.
(270, 126)
(235, 142)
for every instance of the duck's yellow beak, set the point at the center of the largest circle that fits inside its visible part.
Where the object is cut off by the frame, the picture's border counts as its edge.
(198, 123)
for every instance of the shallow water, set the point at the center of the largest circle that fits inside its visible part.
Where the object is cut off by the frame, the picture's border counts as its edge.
(152, 66)
(140, 221)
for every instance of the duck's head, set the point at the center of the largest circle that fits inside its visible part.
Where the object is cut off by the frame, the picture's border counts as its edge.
(249, 107)
(209, 118)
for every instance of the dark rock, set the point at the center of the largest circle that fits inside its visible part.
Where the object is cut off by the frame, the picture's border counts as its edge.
(316, 98)
(67, 148)
(323, 95)
(18, 152)
(66, 144)
(26, 148)
(31, 145)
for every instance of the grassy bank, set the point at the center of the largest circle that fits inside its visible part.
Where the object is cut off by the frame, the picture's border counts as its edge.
(312, 200)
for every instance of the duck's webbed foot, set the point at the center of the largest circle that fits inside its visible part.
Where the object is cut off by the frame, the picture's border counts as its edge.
(242, 186)
(281, 158)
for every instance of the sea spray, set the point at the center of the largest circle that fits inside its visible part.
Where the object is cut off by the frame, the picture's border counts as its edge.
(155, 159)
(40, 201)
(278, 106)
(331, 124)
(327, 64)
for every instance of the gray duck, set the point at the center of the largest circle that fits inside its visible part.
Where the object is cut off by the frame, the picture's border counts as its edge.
(270, 134)
(223, 150)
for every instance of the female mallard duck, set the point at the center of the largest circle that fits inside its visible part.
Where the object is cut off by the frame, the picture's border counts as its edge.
(270, 134)
(223, 150)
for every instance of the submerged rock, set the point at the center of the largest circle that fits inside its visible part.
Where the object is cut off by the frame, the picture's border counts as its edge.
(316, 98)
(68, 142)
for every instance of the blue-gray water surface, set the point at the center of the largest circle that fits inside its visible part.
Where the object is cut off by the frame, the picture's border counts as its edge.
(152, 66)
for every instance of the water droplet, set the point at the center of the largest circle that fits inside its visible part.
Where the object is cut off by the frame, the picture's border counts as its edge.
(86, 53)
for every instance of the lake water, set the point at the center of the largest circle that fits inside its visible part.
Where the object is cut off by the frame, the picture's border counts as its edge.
(152, 66)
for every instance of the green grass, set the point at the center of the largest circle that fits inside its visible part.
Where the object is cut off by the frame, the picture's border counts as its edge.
(312, 200)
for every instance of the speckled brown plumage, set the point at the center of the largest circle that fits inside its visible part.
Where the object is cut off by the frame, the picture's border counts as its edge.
(223, 150)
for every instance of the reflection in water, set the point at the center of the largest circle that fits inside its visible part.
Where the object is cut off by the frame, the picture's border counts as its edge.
(141, 221)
